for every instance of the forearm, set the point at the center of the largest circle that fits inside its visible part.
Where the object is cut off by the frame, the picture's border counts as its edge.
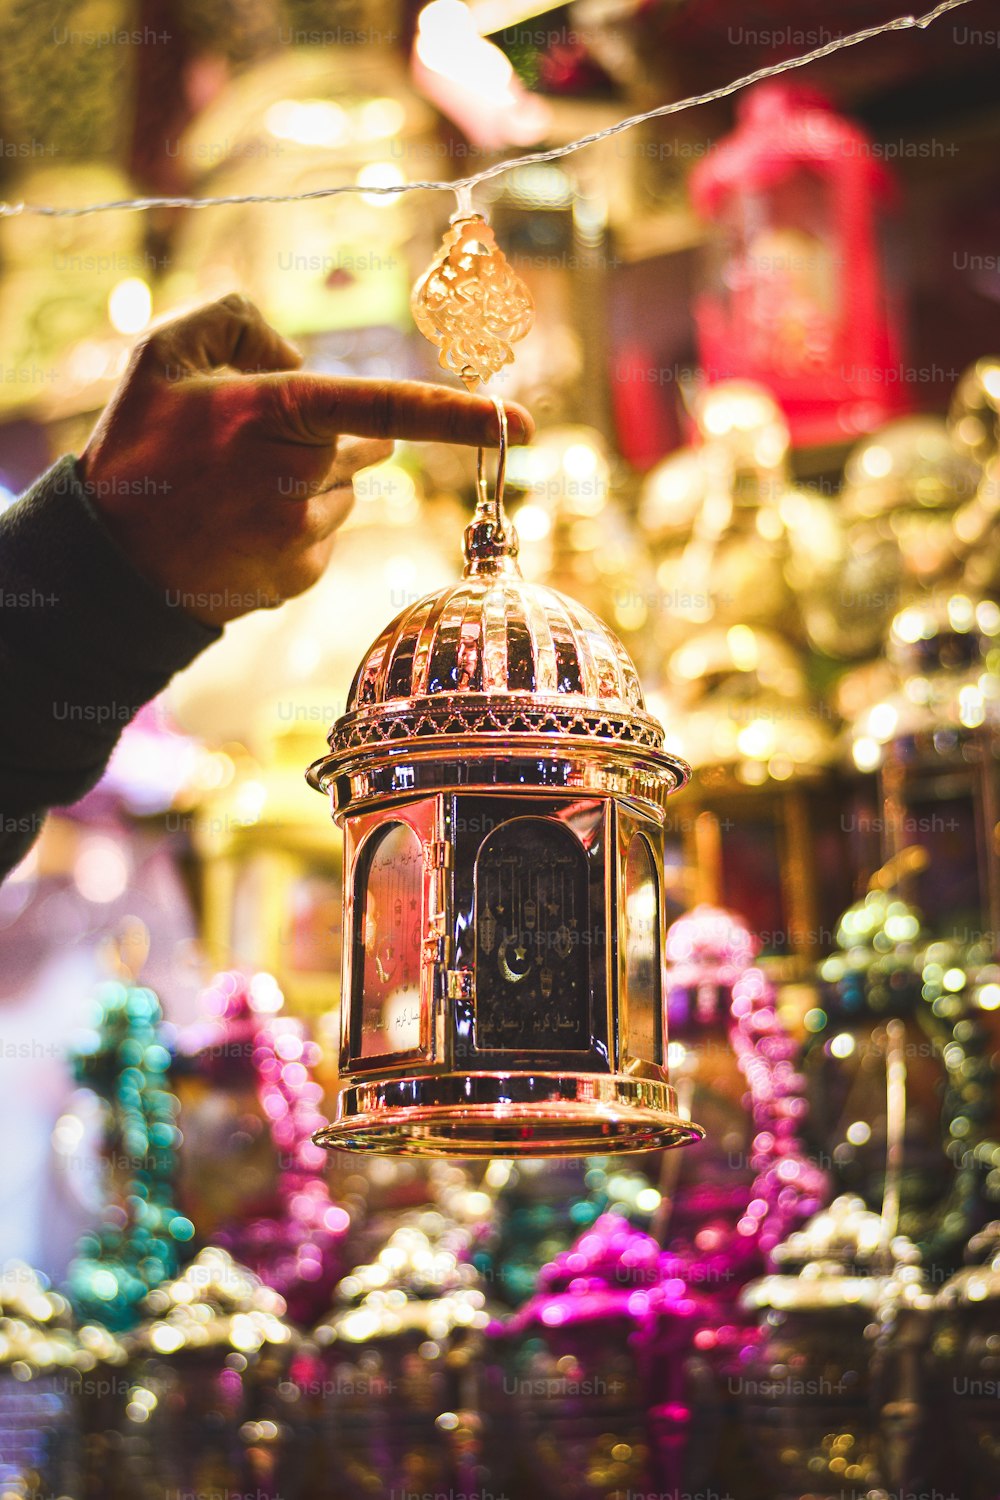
(84, 642)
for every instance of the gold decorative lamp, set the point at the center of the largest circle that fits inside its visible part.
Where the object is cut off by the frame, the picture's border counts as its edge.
(502, 792)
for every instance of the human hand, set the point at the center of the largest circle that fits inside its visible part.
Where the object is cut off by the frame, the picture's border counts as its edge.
(223, 472)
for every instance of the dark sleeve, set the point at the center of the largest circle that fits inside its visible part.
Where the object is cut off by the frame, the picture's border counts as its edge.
(85, 641)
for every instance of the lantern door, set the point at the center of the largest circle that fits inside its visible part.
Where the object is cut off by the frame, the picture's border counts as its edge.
(388, 987)
(641, 1018)
(529, 983)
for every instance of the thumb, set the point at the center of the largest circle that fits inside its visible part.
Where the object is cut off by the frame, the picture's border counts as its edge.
(231, 333)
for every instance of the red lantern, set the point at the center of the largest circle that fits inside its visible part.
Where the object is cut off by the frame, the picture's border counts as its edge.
(796, 297)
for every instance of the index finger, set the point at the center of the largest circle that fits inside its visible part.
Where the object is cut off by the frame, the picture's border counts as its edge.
(326, 405)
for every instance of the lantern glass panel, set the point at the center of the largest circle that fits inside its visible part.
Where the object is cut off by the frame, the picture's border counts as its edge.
(532, 913)
(388, 933)
(642, 999)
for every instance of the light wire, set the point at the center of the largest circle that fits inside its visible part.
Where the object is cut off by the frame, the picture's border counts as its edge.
(462, 186)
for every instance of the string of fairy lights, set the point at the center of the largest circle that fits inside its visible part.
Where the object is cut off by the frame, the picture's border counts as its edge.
(463, 187)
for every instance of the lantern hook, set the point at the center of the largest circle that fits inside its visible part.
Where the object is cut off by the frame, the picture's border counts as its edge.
(491, 544)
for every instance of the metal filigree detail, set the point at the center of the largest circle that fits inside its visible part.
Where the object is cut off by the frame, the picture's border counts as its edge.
(471, 303)
(502, 716)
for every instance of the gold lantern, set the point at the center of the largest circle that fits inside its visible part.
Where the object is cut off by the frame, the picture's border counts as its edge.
(502, 790)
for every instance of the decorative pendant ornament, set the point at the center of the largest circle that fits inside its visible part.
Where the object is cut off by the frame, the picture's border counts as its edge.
(48, 1377)
(712, 977)
(394, 1367)
(800, 300)
(817, 1432)
(966, 1338)
(497, 757)
(945, 992)
(137, 1244)
(858, 1283)
(207, 1411)
(573, 1375)
(295, 1243)
(471, 303)
(942, 992)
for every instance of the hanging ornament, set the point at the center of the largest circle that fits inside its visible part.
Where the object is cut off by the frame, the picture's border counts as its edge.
(974, 417)
(849, 1314)
(966, 1339)
(394, 1367)
(502, 790)
(945, 994)
(50, 1370)
(538, 1208)
(125, 1060)
(471, 303)
(797, 297)
(959, 985)
(807, 1383)
(588, 1384)
(718, 1231)
(513, 740)
(211, 1407)
(295, 1244)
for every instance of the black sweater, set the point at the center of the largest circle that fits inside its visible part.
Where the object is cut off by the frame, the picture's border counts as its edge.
(85, 641)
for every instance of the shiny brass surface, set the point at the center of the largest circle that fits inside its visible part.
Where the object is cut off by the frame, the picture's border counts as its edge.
(520, 1113)
(502, 790)
(360, 780)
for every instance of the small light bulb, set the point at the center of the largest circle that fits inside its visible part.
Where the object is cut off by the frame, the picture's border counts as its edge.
(130, 305)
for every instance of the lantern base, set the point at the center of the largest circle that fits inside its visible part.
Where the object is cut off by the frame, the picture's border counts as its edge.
(508, 1114)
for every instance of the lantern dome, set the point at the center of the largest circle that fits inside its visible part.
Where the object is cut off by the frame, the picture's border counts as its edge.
(492, 661)
(517, 654)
